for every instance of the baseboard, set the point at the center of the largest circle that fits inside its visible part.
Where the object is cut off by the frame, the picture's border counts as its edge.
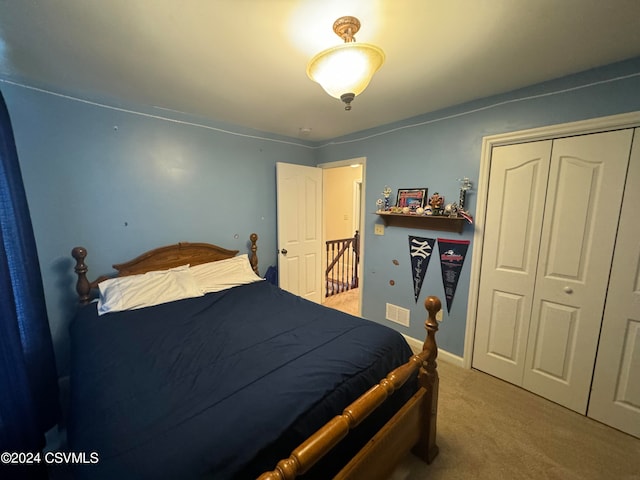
(416, 347)
(415, 344)
(450, 358)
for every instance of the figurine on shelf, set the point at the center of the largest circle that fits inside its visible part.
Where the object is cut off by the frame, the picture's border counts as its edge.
(451, 210)
(436, 201)
(386, 193)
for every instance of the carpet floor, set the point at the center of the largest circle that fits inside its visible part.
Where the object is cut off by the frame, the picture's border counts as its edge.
(490, 429)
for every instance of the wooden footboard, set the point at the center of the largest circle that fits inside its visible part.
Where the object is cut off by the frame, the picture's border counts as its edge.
(413, 427)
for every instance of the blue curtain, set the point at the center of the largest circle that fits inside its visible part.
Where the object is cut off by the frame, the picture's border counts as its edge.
(29, 403)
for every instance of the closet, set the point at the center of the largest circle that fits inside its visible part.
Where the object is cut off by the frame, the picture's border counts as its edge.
(550, 232)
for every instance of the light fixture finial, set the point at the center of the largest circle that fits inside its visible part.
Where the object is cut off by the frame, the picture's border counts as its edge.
(346, 28)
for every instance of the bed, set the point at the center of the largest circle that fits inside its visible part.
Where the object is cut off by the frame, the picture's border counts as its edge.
(242, 380)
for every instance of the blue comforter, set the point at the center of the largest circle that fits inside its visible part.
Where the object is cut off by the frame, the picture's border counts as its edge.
(219, 386)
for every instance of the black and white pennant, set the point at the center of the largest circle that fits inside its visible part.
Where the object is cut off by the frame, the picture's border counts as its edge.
(420, 250)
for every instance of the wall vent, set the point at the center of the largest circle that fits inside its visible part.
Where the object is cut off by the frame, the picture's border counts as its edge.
(398, 314)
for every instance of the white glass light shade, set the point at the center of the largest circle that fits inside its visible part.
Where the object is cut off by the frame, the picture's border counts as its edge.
(347, 68)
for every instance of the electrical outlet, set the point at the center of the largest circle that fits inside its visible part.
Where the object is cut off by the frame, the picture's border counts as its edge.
(378, 229)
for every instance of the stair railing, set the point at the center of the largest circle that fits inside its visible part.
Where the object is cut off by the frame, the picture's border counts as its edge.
(343, 257)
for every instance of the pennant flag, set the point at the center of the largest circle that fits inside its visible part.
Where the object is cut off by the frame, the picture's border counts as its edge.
(420, 250)
(452, 253)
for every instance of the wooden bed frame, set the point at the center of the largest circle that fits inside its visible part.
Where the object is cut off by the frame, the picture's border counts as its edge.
(412, 428)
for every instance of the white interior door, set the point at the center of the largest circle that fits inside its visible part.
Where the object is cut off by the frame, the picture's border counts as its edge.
(299, 204)
(515, 206)
(584, 194)
(615, 394)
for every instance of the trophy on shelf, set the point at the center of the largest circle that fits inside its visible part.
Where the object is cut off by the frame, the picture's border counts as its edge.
(465, 186)
(386, 193)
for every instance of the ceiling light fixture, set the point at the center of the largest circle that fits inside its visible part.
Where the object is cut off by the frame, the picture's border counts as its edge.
(346, 70)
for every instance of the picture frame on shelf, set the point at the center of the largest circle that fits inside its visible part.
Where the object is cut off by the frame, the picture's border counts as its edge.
(412, 198)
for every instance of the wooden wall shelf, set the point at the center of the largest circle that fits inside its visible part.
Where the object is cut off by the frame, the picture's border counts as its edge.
(446, 224)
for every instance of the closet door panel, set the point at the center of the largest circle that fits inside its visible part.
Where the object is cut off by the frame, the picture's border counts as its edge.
(584, 194)
(555, 340)
(515, 205)
(572, 216)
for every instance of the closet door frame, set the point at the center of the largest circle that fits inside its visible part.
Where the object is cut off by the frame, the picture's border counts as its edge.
(584, 127)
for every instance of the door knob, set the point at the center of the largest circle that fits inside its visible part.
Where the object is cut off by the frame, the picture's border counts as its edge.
(568, 290)
(283, 251)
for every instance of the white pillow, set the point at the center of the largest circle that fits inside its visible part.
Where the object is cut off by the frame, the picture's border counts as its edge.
(148, 289)
(223, 274)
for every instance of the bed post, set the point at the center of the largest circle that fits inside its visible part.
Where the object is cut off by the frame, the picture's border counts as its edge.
(83, 286)
(426, 447)
(253, 258)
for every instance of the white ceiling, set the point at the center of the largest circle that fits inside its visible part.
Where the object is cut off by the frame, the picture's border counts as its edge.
(244, 62)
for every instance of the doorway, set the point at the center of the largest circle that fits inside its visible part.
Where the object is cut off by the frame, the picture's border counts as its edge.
(584, 127)
(550, 233)
(343, 197)
(607, 397)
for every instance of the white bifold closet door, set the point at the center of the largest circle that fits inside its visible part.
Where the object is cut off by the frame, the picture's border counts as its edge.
(550, 230)
(515, 206)
(615, 394)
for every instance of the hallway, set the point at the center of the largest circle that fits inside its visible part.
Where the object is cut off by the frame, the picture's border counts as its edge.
(347, 302)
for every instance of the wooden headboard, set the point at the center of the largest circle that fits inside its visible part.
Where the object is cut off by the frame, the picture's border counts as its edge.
(161, 258)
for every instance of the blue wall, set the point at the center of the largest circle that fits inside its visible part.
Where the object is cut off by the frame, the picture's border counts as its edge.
(435, 150)
(120, 181)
